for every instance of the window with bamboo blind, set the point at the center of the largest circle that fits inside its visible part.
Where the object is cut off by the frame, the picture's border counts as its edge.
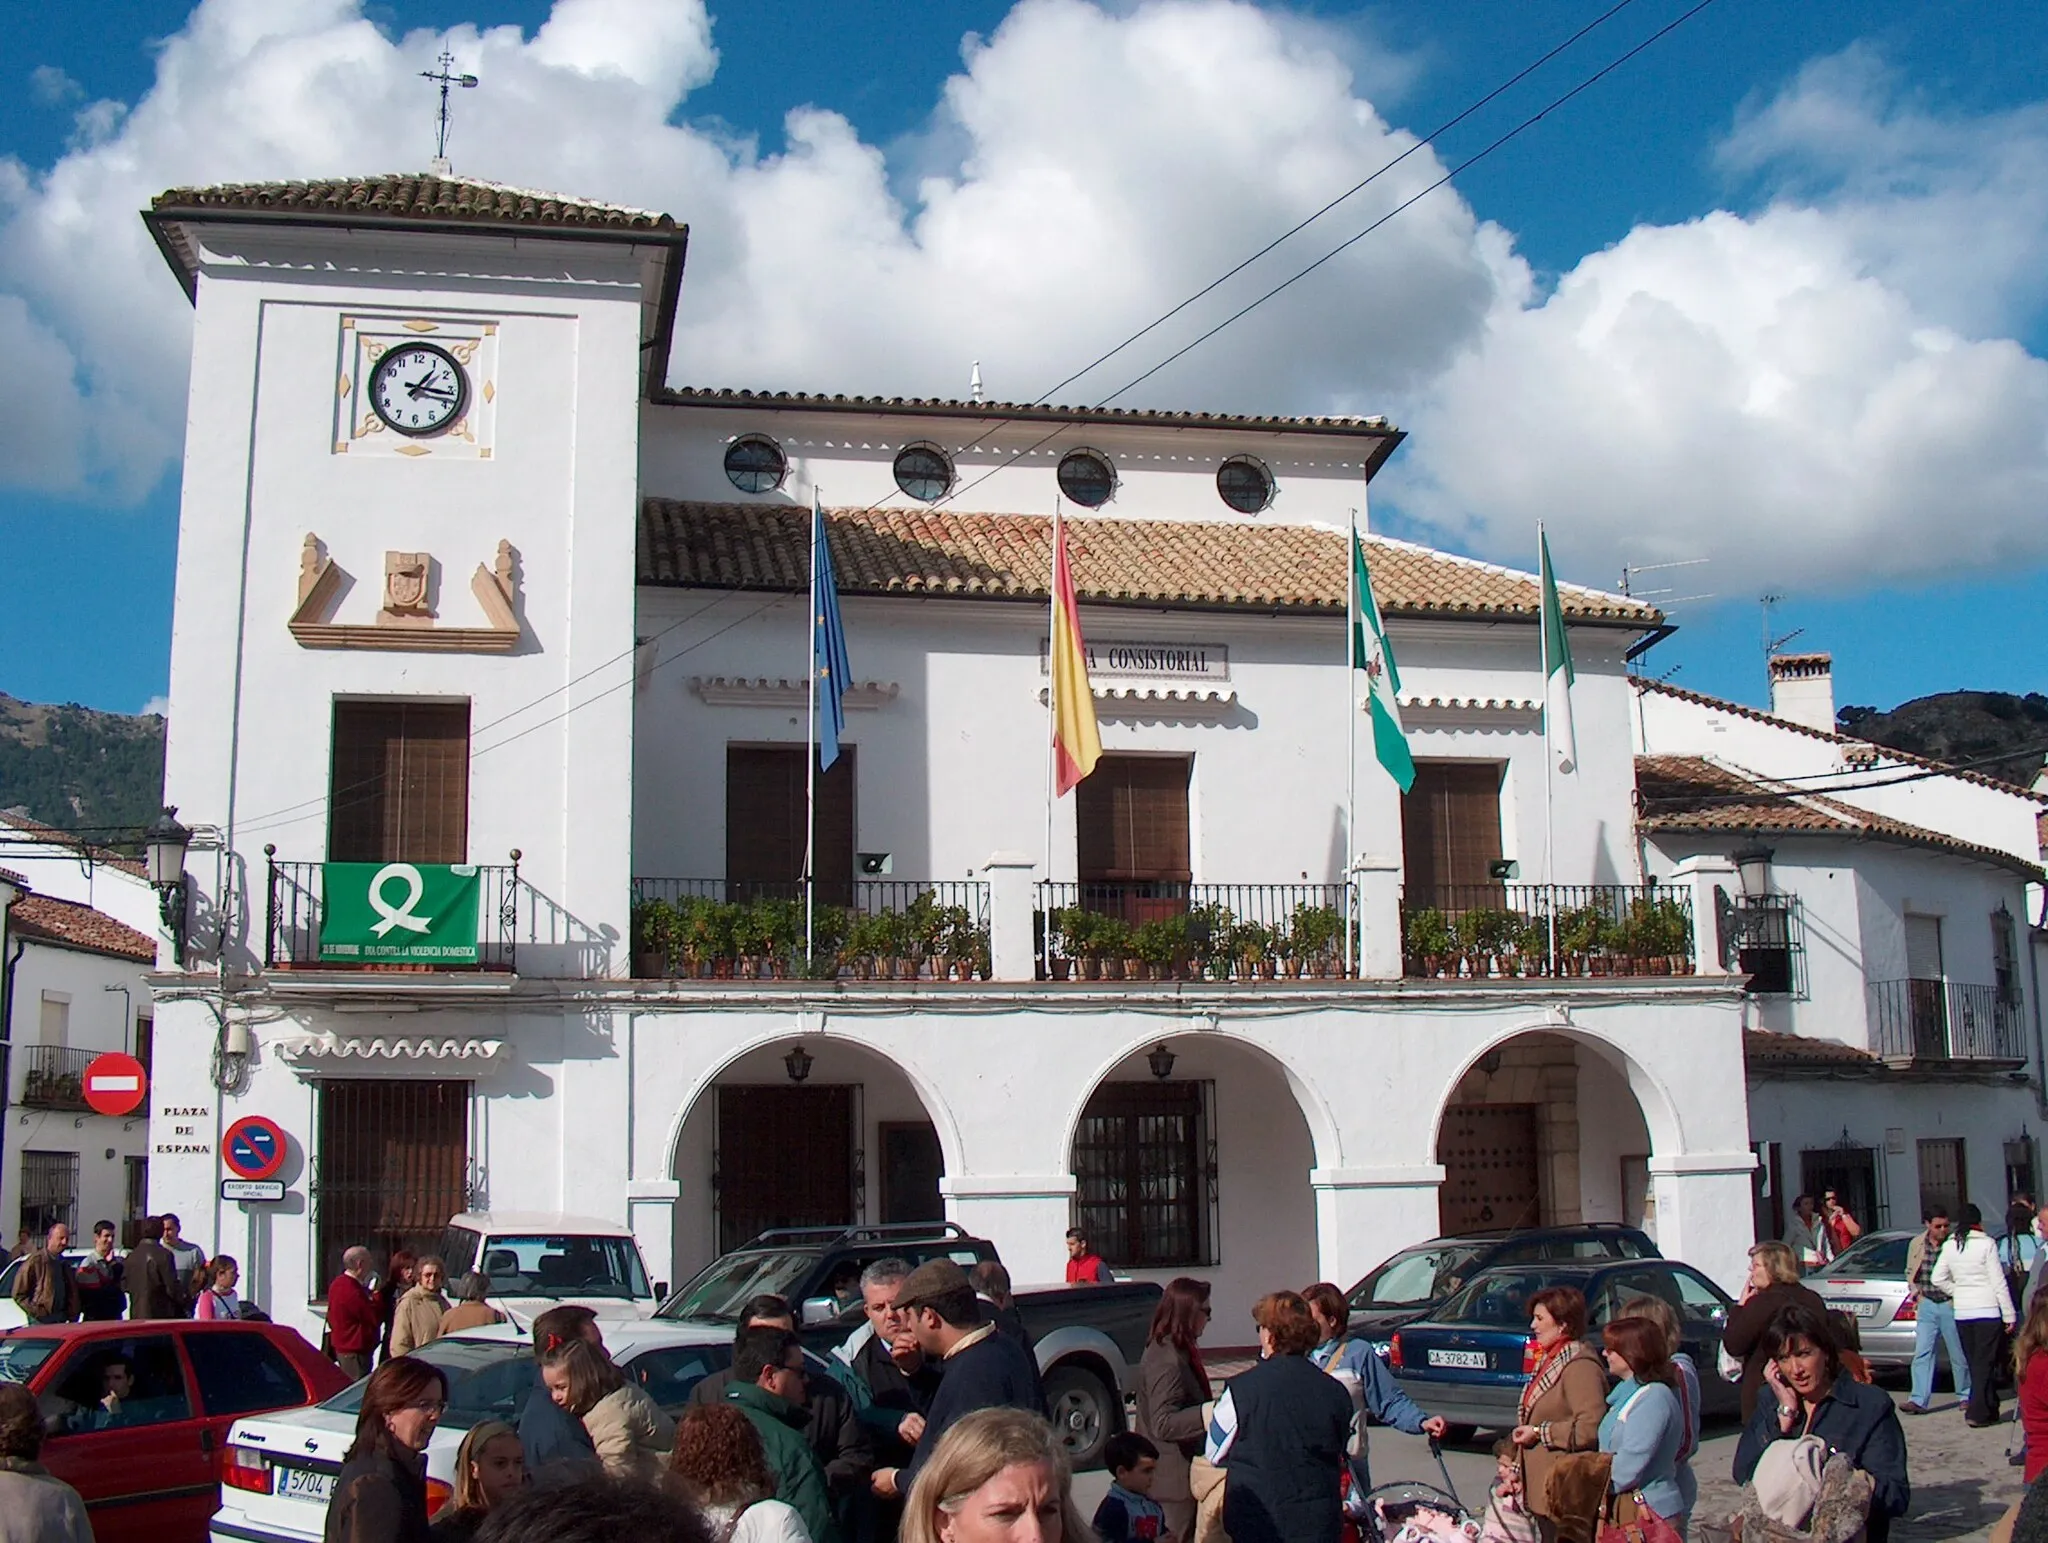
(1450, 830)
(764, 823)
(1131, 819)
(398, 788)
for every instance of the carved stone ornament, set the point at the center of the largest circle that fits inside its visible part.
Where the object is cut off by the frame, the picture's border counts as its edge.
(407, 623)
(406, 579)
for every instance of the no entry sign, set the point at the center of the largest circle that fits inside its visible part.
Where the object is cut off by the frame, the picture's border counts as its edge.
(253, 1148)
(115, 1083)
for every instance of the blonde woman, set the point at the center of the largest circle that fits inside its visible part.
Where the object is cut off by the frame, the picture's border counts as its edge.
(997, 1475)
(631, 1435)
(490, 1468)
(1773, 1284)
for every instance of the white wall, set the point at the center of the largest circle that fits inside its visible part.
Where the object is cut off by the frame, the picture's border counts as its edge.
(97, 1019)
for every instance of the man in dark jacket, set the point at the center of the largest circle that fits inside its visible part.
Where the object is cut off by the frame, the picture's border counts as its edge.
(837, 1438)
(100, 1294)
(768, 1387)
(154, 1290)
(983, 1369)
(554, 1443)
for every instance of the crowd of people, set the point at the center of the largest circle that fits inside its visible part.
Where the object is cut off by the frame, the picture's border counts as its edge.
(165, 1275)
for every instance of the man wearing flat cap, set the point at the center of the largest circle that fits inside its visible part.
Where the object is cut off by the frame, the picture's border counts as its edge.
(983, 1369)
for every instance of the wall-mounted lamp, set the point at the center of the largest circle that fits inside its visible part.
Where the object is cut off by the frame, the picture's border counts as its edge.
(1753, 870)
(164, 845)
(798, 1063)
(1161, 1061)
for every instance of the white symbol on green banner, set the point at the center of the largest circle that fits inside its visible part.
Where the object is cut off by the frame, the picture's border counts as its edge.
(400, 916)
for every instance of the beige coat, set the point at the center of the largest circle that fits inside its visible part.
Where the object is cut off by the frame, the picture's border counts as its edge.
(470, 1315)
(36, 1507)
(1573, 1407)
(1171, 1416)
(418, 1320)
(632, 1436)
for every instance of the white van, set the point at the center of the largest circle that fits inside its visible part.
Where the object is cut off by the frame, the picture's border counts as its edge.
(542, 1259)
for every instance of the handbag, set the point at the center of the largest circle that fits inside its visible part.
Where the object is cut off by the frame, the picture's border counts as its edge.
(1727, 1365)
(1631, 1519)
(1575, 1493)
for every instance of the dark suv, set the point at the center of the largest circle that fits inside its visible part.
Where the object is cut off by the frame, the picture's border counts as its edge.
(1407, 1286)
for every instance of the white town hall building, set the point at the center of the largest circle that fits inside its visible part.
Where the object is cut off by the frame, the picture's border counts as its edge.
(463, 581)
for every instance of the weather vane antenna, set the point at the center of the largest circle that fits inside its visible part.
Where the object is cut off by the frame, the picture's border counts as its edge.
(445, 77)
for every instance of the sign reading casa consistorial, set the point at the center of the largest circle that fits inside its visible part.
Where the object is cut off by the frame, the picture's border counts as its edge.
(1116, 658)
(406, 913)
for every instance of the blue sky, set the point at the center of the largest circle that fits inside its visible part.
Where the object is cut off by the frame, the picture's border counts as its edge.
(1858, 145)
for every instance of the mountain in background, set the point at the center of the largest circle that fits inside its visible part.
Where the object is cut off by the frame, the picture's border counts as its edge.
(80, 769)
(1994, 732)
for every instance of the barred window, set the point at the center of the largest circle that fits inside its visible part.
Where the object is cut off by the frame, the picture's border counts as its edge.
(392, 1167)
(49, 1191)
(1143, 1167)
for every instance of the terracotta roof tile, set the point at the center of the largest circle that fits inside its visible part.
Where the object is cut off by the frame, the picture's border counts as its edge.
(801, 401)
(42, 919)
(1854, 750)
(414, 196)
(1195, 563)
(1687, 793)
(1763, 1047)
(64, 838)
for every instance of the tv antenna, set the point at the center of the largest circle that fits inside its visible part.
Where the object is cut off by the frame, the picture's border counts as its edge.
(1774, 642)
(445, 77)
(1628, 580)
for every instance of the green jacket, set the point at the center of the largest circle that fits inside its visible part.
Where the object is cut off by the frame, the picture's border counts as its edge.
(799, 1481)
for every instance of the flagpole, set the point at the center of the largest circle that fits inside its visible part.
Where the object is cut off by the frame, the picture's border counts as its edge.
(1543, 631)
(811, 737)
(1351, 613)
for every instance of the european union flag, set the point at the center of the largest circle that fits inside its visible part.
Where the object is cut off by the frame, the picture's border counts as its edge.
(828, 643)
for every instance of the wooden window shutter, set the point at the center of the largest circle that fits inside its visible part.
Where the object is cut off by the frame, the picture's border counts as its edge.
(399, 783)
(1131, 819)
(764, 821)
(1450, 827)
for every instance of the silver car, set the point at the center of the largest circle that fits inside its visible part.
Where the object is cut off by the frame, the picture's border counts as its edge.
(1869, 1283)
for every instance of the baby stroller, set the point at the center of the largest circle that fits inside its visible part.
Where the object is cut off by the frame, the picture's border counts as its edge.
(1408, 1511)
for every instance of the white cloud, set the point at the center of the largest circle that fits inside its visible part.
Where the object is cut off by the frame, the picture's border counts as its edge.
(1105, 166)
(157, 707)
(50, 86)
(1816, 395)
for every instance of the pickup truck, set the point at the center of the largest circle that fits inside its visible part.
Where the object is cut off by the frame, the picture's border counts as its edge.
(1087, 1338)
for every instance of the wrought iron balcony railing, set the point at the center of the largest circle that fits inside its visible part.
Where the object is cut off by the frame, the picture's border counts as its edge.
(1489, 931)
(53, 1077)
(1943, 1020)
(295, 909)
(1168, 930)
(861, 929)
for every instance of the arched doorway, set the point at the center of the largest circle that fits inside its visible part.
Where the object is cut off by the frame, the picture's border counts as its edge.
(802, 1132)
(1191, 1156)
(1544, 1129)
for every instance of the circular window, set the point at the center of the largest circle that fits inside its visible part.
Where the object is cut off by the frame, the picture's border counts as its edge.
(923, 472)
(755, 465)
(1087, 478)
(1245, 484)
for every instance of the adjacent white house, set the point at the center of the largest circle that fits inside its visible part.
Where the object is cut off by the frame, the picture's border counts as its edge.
(74, 982)
(478, 618)
(1880, 914)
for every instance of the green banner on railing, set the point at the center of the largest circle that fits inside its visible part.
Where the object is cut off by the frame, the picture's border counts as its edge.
(398, 913)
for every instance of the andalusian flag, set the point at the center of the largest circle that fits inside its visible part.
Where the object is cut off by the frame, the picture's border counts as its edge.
(1372, 653)
(1557, 661)
(1076, 746)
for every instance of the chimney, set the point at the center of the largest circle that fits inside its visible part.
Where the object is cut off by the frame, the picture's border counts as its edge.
(1803, 690)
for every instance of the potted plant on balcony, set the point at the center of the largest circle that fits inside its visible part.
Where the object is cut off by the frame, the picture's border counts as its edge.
(924, 924)
(829, 926)
(957, 941)
(1430, 942)
(653, 928)
(1313, 932)
(1579, 935)
(1159, 943)
(1532, 945)
(1069, 932)
(1674, 934)
(1251, 950)
(1110, 944)
(867, 945)
(1209, 928)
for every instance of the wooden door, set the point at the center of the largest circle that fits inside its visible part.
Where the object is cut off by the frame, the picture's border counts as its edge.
(912, 1165)
(785, 1159)
(1450, 835)
(765, 824)
(1942, 1180)
(1491, 1174)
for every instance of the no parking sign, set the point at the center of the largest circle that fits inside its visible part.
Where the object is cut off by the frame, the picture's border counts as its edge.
(253, 1148)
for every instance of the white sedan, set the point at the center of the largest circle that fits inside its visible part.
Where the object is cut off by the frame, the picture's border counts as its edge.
(280, 1468)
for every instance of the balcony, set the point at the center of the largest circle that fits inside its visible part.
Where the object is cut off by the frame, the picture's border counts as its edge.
(1165, 930)
(871, 929)
(1944, 1021)
(295, 912)
(1504, 931)
(53, 1077)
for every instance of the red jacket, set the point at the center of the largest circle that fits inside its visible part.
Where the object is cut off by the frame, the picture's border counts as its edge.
(2034, 1413)
(354, 1318)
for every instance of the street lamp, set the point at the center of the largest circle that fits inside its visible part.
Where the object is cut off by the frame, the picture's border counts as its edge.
(1161, 1061)
(798, 1063)
(164, 845)
(1753, 870)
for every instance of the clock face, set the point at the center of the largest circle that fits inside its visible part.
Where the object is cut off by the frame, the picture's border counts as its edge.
(419, 389)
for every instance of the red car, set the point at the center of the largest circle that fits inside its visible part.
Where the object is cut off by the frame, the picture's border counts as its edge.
(138, 1413)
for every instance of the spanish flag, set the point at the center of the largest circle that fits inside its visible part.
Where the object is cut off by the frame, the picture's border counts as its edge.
(1076, 746)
